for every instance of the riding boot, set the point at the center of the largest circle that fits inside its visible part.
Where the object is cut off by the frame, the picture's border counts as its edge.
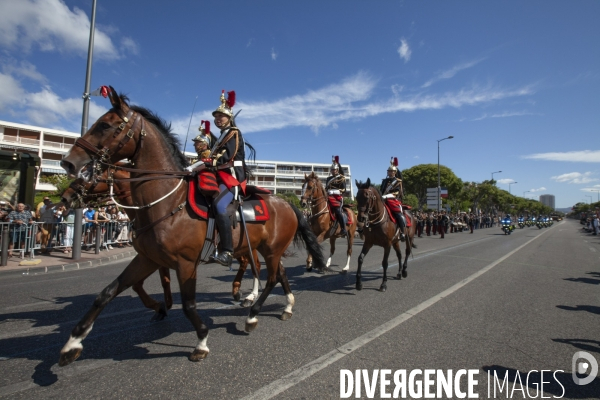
(340, 218)
(225, 256)
(401, 224)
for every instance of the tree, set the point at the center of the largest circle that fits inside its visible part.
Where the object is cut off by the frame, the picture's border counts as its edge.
(418, 179)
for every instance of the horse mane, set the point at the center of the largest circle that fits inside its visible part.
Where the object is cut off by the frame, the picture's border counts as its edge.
(173, 143)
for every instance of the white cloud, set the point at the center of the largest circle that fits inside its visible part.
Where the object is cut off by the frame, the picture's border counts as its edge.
(503, 115)
(51, 26)
(273, 54)
(404, 50)
(396, 89)
(351, 99)
(541, 189)
(506, 181)
(24, 69)
(451, 72)
(575, 177)
(573, 156)
(44, 108)
(250, 41)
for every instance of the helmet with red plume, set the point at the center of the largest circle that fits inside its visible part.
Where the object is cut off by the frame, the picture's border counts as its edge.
(393, 164)
(335, 164)
(226, 104)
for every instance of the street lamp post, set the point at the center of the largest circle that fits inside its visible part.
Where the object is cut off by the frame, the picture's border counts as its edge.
(511, 183)
(527, 191)
(438, 187)
(591, 198)
(497, 172)
(597, 191)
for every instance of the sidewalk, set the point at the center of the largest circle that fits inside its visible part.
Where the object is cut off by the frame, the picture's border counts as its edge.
(59, 261)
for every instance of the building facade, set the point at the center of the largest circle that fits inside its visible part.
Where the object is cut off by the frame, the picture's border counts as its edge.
(52, 144)
(547, 200)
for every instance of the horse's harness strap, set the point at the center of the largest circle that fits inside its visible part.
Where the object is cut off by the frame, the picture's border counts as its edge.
(138, 232)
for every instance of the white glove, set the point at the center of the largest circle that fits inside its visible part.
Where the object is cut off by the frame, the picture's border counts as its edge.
(330, 192)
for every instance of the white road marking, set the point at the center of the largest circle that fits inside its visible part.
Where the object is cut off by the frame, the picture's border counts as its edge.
(280, 385)
(593, 249)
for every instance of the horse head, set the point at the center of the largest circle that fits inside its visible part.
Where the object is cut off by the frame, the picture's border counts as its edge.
(80, 192)
(310, 189)
(365, 202)
(113, 137)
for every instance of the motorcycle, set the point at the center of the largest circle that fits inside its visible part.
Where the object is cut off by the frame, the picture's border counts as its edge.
(521, 223)
(507, 227)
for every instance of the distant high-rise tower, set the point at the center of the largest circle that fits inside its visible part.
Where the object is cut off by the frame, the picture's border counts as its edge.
(547, 200)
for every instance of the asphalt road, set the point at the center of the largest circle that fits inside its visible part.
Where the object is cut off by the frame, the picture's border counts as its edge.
(518, 307)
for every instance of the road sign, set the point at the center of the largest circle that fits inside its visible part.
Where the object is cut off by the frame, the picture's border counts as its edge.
(432, 190)
(433, 205)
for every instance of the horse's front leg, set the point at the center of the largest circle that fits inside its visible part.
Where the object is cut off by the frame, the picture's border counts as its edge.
(384, 264)
(350, 239)
(186, 275)
(331, 250)
(272, 263)
(366, 247)
(137, 270)
(396, 246)
(248, 301)
(160, 310)
(237, 281)
(165, 281)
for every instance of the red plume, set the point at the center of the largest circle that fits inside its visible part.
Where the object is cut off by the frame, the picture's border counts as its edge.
(207, 127)
(395, 161)
(337, 159)
(231, 99)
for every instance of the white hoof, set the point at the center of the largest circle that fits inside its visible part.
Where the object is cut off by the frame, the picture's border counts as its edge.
(328, 262)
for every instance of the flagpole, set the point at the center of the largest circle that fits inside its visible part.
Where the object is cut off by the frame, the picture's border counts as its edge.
(190, 124)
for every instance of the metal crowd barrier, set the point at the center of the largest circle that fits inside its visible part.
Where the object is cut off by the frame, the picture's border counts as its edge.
(24, 240)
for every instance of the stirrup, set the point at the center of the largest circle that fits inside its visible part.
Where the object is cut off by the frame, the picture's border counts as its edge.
(224, 258)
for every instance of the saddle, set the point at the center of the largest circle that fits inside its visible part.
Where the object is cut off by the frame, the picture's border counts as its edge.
(406, 210)
(346, 212)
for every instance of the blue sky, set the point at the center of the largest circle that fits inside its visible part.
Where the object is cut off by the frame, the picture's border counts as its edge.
(516, 83)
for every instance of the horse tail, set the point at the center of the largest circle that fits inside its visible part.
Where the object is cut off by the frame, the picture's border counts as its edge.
(306, 235)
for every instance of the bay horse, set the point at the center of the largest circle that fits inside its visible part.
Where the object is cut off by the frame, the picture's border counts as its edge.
(169, 234)
(97, 191)
(378, 229)
(315, 197)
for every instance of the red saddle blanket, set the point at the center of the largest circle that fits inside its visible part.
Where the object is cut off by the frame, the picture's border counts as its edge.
(347, 210)
(393, 206)
(254, 206)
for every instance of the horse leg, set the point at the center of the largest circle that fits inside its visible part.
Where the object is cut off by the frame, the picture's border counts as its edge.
(160, 311)
(282, 278)
(384, 264)
(331, 250)
(309, 263)
(137, 270)
(405, 264)
(366, 247)
(237, 282)
(350, 239)
(272, 263)
(399, 255)
(187, 287)
(248, 301)
(165, 281)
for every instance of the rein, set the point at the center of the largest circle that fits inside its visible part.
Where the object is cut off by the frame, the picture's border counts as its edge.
(370, 202)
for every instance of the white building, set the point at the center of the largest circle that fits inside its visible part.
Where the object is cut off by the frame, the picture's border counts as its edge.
(52, 144)
(547, 200)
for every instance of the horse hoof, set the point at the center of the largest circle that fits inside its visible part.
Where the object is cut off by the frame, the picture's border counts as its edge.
(399, 276)
(237, 296)
(250, 326)
(159, 315)
(382, 288)
(346, 269)
(359, 286)
(198, 355)
(286, 315)
(404, 274)
(68, 357)
(247, 303)
(308, 269)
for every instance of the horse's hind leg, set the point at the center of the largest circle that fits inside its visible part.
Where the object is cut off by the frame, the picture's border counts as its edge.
(272, 263)
(282, 278)
(138, 270)
(408, 251)
(399, 255)
(187, 284)
(384, 264)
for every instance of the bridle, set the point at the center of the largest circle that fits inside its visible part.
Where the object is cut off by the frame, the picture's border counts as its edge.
(318, 201)
(366, 210)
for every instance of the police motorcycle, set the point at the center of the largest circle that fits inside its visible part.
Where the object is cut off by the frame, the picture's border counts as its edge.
(550, 221)
(507, 226)
(540, 222)
(521, 222)
(530, 222)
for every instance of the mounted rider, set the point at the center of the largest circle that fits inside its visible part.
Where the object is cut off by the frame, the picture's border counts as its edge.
(203, 140)
(227, 158)
(335, 187)
(392, 193)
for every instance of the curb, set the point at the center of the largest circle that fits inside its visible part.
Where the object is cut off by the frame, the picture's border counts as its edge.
(68, 267)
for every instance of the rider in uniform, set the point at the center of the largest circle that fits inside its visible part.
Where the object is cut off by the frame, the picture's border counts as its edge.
(227, 157)
(391, 191)
(202, 141)
(336, 186)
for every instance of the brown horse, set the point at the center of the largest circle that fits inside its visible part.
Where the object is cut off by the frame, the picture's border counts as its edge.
(97, 191)
(378, 229)
(168, 232)
(315, 197)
